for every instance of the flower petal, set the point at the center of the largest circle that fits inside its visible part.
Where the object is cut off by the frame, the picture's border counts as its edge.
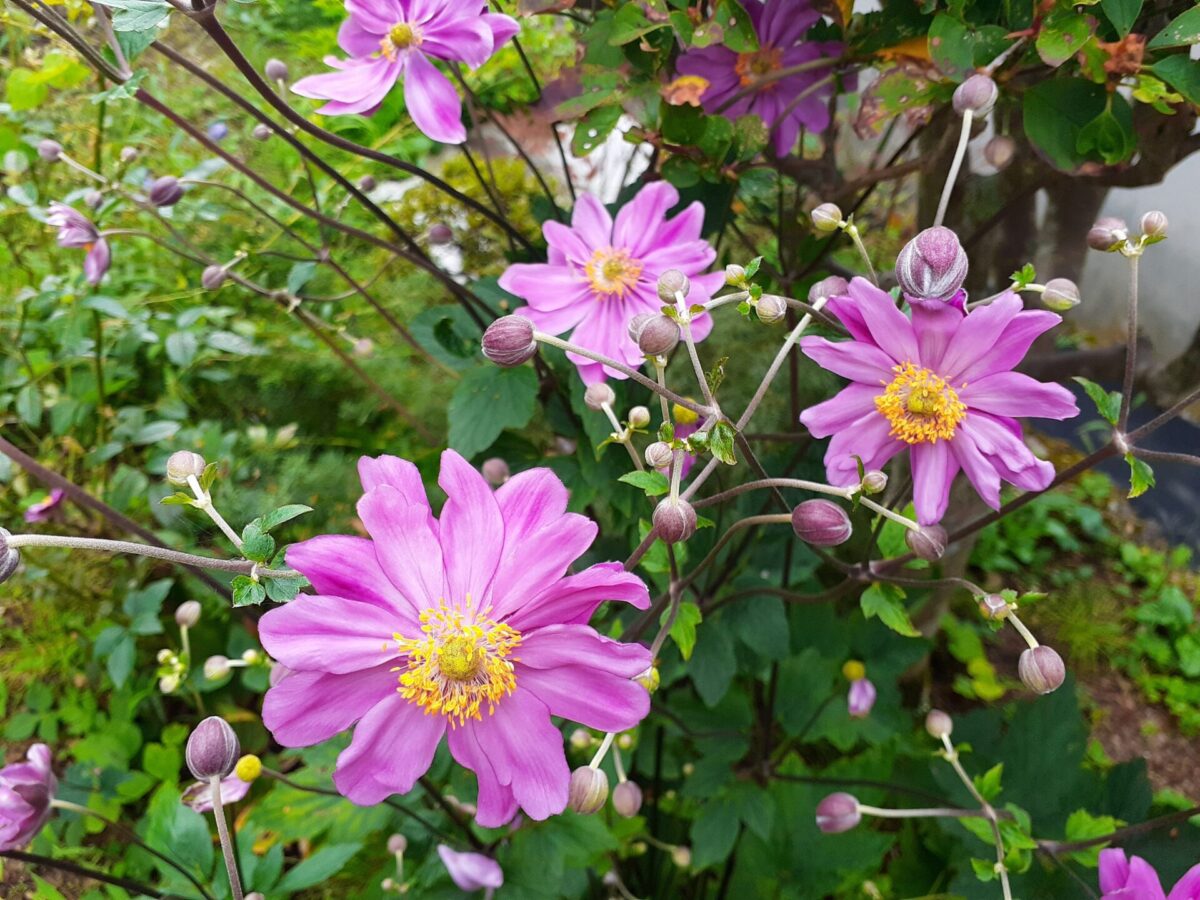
(329, 634)
(933, 468)
(1187, 887)
(471, 871)
(890, 329)
(467, 39)
(591, 221)
(306, 708)
(1018, 395)
(567, 645)
(1012, 344)
(345, 566)
(392, 747)
(978, 468)
(471, 530)
(495, 804)
(396, 472)
(573, 599)
(869, 438)
(856, 360)
(636, 222)
(840, 411)
(358, 87)
(432, 100)
(405, 545)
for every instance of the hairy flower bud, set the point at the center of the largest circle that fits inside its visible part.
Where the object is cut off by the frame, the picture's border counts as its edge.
(770, 308)
(837, 813)
(1154, 224)
(276, 70)
(440, 233)
(928, 542)
(495, 471)
(10, 557)
(999, 151)
(636, 324)
(599, 395)
(735, 275)
(184, 463)
(212, 749)
(366, 184)
(93, 199)
(397, 843)
(213, 277)
(1108, 234)
(218, 131)
(216, 667)
(639, 417)
(49, 150)
(588, 790)
(1061, 294)
(187, 614)
(658, 455)
(874, 482)
(674, 520)
(262, 132)
(833, 286)
(128, 154)
(827, 217)
(1041, 669)
(166, 191)
(682, 856)
(658, 336)
(509, 341)
(993, 606)
(581, 739)
(977, 94)
(933, 265)
(938, 724)
(627, 799)
(255, 895)
(671, 283)
(821, 523)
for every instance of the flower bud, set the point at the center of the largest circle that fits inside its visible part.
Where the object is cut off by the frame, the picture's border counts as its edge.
(495, 471)
(128, 154)
(366, 184)
(251, 657)
(938, 724)
(977, 94)
(993, 606)
(827, 217)
(1041, 669)
(933, 265)
(599, 395)
(509, 341)
(627, 799)
(672, 283)
(928, 542)
(213, 277)
(440, 233)
(682, 856)
(216, 667)
(212, 749)
(999, 151)
(49, 150)
(93, 199)
(821, 523)
(255, 895)
(1108, 234)
(187, 614)
(183, 464)
(770, 308)
(588, 790)
(735, 275)
(168, 683)
(166, 191)
(397, 843)
(833, 286)
(218, 131)
(658, 336)
(1154, 224)
(636, 324)
(363, 348)
(874, 482)
(658, 455)
(248, 768)
(837, 813)
(650, 679)
(261, 132)
(674, 520)
(581, 739)
(10, 557)
(639, 417)
(1061, 294)
(276, 70)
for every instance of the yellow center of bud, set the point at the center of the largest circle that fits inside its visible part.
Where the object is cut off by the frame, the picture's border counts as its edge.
(920, 406)
(612, 271)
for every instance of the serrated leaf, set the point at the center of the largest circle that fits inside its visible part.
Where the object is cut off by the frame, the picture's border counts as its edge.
(683, 629)
(1108, 403)
(885, 602)
(247, 591)
(488, 400)
(1141, 476)
(137, 15)
(257, 544)
(720, 442)
(653, 483)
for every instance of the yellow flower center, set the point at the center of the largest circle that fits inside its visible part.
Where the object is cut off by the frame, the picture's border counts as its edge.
(683, 415)
(399, 37)
(920, 405)
(612, 271)
(750, 67)
(460, 666)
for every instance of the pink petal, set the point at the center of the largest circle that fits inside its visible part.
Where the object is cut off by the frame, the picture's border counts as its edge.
(557, 321)
(935, 325)
(1187, 887)
(392, 747)
(376, 15)
(471, 530)
(396, 472)
(570, 645)
(471, 871)
(306, 708)
(869, 438)
(591, 221)
(329, 634)
(468, 40)
(97, 261)
(539, 561)
(933, 468)
(405, 545)
(574, 599)
(593, 698)
(546, 287)
(890, 329)
(571, 243)
(976, 335)
(1012, 344)
(432, 101)
(358, 88)
(840, 411)
(1014, 394)
(978, 468)
(503, 28)
(855, 360)
(689, 257)
(357, 40)
(495, 804)
(636, 221)
(1114, 869)
(526, 752)
(345, 566)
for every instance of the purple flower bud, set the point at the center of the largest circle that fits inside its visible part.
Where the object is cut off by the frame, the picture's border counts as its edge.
(977, 94)
(128, 154)
(627, 799)
(821, 523)
(1061, 294)
(366, 184)
(218, 131)
(262, 132)
(495, 471)
(10, 557)
(658, 455)
(49, 150)
(827, 217)
(938, 724)
(1041, 669)
(674, 520)
(187, 614)
(636, 324)
(928, 542)
(999, 151)
(672, 282)
(1108, 234)
(1154, 224)
(639, 417)
(874, 482)
(735, 275)
(509, 341)
(770, 309)
(184, 464)
(276, 70)
(861, 698)
(837, 813)
(212, 749)
(658, 336)
(397, 843)
(440, 233)
(599, 395)
(833, 286)
(933, 265)
(993, 606)
(364, 348)
(93, 199)
(213, 277)
(166, 191)
(588, 790)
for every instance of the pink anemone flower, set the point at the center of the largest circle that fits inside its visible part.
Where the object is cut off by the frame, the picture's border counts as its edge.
(471, 871)
(941, 386)
(77, 231)
(43, 509)
(26, 791)
(602, 272)
(464, 626)
(1132, 878)
(392, 39)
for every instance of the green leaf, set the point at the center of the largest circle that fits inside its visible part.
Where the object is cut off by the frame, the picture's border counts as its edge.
(1182, 31)
(713, 833)
(24, 90)
(126, 89)
(630, 23)
(720, 442)
(486, 401)
(884, 601)
(713, 664)
(1109, 135)
(121, 659)
(1182, 73)
(323, 864)
(594, 128)
(1108, 403)
(683, 629)
(1082, 826)
(256, 544)
(137, 15)
(736, 26)
(277, 517)
(247, 591)
(300, 275)
(653, 483)
(162, 762)
(988, 784)
(1122, 13)
(281, 590)
(1055, 111)
(1141, 476)
(181, 348)
(1062, 36)
(985, 870)
(29, 405)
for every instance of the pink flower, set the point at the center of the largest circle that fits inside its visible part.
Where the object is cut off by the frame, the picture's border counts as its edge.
(40, 511)
(77, 231)
(1133, 878)
(861, 698)
(471, 871)
(602, 273)
(392, 39)
(940, 386)
(780, 25)
(26, 789)
(199, 793)
(465, 626)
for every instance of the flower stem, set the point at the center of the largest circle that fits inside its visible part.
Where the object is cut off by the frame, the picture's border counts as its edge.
(852, 230)
(695, 357)
(988, 812)
(959, 152)
(1130, 347)
(1021, 629)
(235, 881)
(924, 813)
(603, 751)
(204, 502)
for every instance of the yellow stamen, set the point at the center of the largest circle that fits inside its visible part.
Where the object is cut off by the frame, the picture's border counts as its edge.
(750, 67)
(683, 415)
(854, 670)
(921, 407)
(612, 271)
(399, 37)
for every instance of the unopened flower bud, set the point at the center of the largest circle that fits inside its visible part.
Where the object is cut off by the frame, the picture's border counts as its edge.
(251, 657)
(671, 283)
(212, 749)
(187, 614)
(216, 667)
(168, 683)
(128, 154)
(184, 463)
(49, 150)
(439, 233)
(658, 455)
(933, 265)
(674, 520)
(927, 542)
(833, 286)
(495, 471)
(770, 308)
(1041, 669)
(874, 482)
(213, 277)
(650, 679)
(366, 184)
(938, 724)
(1061, 294)
(509, 341)
(254, 895)
(166, 191)
(658, 336)
(821, 523)
(735, 275)
(363, 348)
(599, 395)
(999, 151)
(248, 768)
(588, 790)
(93, 199)
(10, 557)
(397, 843)
(624, 741)
(262, 132)
(276, 70)
(682, 856)
(837, 813)
(827, 217)
(1108, 234)
(218, 131)
(639, 417)
(977, 94)
(636, 324)
(164, 655)
(581, 739)
(627, 799)
(1154, 224)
